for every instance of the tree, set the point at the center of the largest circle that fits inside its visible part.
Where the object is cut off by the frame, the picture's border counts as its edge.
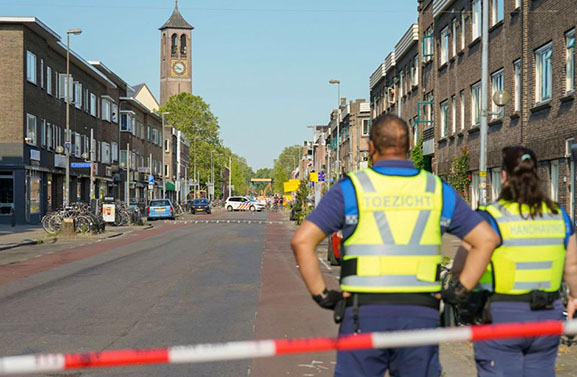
(417, 154)
(286, 162)
(302, 208)
(191, 115)
(459, 176)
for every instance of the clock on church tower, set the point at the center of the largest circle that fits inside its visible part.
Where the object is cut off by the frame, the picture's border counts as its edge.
(175, 57)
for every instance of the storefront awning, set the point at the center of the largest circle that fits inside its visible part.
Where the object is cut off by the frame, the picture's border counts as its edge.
(169, 186)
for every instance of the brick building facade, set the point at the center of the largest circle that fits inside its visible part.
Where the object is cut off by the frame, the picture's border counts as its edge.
(530, 57)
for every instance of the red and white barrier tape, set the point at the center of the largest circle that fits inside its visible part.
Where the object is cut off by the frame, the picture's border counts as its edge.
(266, 348)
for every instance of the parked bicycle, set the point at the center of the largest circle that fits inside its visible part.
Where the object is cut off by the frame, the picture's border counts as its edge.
(84, 220)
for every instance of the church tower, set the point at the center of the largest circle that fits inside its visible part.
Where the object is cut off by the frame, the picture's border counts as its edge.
(175, 56)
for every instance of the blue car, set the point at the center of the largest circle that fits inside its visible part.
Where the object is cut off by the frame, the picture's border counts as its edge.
(160, 209)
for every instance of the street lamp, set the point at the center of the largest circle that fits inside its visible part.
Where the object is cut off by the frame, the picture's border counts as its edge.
(163, 160)
(68, 141)
(338, 116)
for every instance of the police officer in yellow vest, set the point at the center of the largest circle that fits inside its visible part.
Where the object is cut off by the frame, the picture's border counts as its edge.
(537, 250)
(392, 216)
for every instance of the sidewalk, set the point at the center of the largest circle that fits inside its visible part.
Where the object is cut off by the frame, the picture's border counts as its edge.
(22, 235)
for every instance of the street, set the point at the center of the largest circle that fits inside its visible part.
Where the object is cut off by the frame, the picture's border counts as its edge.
(199, 279)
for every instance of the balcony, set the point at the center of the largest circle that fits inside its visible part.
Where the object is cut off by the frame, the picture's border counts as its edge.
(440, 5)
(407, 41)
(377, 76)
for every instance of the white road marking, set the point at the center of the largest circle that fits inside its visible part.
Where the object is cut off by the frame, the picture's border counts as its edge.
(325, 264)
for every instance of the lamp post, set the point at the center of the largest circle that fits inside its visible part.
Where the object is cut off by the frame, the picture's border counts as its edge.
(163, 159)
(68, 141)
(338, 116)
(128, 163)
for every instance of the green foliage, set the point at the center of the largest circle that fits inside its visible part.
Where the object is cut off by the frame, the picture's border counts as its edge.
(286, 162)
(459, 176)
(302, 208)
(191, 115)
(417, 154)
(263, 173)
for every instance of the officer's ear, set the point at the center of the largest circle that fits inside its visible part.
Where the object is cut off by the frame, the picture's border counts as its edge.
(372, 148)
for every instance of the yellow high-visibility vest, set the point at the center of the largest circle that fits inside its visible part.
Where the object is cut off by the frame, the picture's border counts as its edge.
(396, 246)
(532, 254)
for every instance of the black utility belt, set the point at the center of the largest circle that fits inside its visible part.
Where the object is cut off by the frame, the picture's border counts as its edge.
(538, 300)
(420, 299)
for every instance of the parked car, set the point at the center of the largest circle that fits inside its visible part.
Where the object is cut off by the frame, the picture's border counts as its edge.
(200, 205)
(334, 249)
(242, 203)
(160, 209)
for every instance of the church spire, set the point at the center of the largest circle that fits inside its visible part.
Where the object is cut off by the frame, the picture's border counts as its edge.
(176, 21)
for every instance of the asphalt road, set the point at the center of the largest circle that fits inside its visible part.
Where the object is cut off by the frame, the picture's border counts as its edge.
(194, 283)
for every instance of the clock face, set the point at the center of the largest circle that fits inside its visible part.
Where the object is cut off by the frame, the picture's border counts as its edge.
(179, 68)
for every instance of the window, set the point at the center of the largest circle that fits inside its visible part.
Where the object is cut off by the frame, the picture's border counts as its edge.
(543, 73)
(166, 170)
(77, 143)
(462, 109)
(49, 80)
(85, 100)
(85, 146)
(31, 133)
(114, 151)
(148, 133)
(62, 86)
(31, 67)
(444, 118)
(123, 157)
(476, 104)
(105, 109)
(42, 73)
(105, 153)
(517, 4)
(497, 11)
(77, 95)
(454, 38)
(496, 85)
(517, 85)
(463, 29)
(114, 115)
(453, 115)
(183, 45)
(428, 45)
(49, 137)
(415, 71)
(125, 122)
(570, 61)
(174, 45)
(476, 19)
(43, 133)
(366, 127)
(555, 180)
(92, 104)
(445, 45)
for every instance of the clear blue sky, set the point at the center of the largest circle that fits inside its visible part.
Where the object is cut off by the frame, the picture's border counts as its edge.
(262, 65)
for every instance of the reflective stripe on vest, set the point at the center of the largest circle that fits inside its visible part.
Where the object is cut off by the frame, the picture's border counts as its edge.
(396, 243)
(532, 254)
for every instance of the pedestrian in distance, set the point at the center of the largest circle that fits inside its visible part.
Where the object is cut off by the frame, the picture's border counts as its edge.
(537, 250)
(392, 217)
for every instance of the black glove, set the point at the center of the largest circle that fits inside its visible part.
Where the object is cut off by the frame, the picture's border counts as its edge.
(455, 294)
(328, 299)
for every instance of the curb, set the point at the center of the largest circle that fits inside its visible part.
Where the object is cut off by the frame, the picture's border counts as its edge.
(23, 243)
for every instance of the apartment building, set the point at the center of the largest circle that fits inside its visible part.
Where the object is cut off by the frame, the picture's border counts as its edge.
(530, 57)
(353, 119)
(113, 127)
(33, 122)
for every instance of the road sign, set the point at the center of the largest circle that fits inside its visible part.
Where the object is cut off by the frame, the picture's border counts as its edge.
(313, 177)
(80, 165)
(321, 176)
(150, 180)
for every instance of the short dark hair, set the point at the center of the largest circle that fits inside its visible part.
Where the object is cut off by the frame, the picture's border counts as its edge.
(389, 132)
